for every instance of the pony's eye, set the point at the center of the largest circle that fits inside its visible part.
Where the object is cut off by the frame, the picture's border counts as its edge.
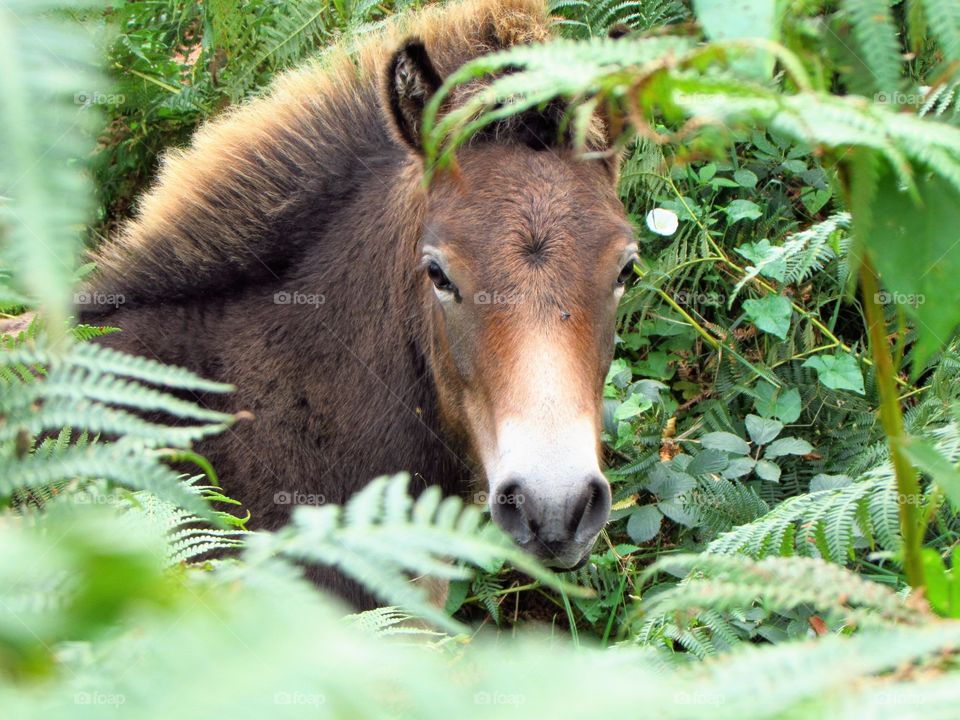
(438, 277)
(626, 272)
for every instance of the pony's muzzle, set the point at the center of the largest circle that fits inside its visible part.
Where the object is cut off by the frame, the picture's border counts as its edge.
(556, 523)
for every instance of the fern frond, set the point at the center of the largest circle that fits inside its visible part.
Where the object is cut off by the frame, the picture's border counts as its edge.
(816, 524)
(802, 253)
(876, 35)
(722, 584)
(381, 534)
(943, 19)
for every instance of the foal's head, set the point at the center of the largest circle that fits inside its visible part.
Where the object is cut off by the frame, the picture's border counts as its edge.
(524, 255)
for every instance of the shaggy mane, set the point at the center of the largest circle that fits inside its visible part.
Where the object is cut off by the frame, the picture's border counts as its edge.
(229, 209)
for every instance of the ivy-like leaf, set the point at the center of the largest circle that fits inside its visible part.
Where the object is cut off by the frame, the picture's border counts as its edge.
(771, 314)
(837, 372)
(773, 402)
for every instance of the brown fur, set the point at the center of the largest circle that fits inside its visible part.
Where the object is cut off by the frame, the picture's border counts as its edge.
(313, 190)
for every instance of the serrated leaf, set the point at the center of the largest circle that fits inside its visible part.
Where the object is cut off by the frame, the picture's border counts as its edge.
(725, 441)
(837, 372)
(771, 314)
(762, 430)
(739, 467)
(787, 446)
(768, 471)
(665, 482)
(644, 523)
(708, 461)
(679, 513)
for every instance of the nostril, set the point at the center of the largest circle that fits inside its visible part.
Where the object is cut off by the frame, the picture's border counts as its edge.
(509, 508)
(591, 511)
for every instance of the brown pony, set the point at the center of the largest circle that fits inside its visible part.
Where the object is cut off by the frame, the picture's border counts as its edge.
(460, 332)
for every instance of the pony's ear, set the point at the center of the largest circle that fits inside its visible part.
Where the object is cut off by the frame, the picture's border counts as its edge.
(411, 82)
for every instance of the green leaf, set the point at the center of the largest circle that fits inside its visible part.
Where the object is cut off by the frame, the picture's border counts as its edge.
(655, 365)
(745, 178)
(928, 459)
(814, 199)
(665, 482)
(771, 401)
(914, 246)
(677, 511)
(644, 523)
(837, 372)
(771, 314)
(742, 210)
(762, 430)
(619, 374)
(739, 467)
(708, 461)
(768, 471)
(631, 407)
(935, 581)
(735, 19)
(955, 582)
(725, 441)
(787, 446)
(762, 251)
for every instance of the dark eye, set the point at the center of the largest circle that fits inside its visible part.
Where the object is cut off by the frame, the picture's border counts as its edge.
(438, 277)
(626, 272)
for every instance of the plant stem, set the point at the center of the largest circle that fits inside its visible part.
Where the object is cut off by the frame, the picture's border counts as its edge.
(891, 417)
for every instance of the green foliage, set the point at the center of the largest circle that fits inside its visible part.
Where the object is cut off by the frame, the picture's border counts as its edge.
(177, 62)
(43, 200)
(100, 391)
(756, 500)
(583, 19)
(381, 533)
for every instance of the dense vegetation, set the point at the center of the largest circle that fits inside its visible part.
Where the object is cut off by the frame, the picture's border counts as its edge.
(781, 417)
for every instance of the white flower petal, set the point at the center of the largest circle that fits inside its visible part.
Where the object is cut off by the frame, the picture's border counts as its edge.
(662, 221)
